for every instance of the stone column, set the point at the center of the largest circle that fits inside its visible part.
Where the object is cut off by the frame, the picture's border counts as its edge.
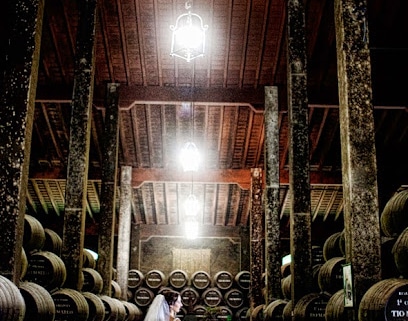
(77, 170)
(17, 116)
(300, 213)
(256, 237)
(108, 190)
(273, 253)
(124, 229)
(359, 168)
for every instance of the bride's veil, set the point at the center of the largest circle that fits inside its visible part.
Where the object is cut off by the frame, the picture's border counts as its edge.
(159, 310)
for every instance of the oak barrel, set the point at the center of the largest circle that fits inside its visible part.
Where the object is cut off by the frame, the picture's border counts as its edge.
(223, 280)
(53, 241)
(243, 280)
(286, 286)
(122, 313)
(133, 313)
(274, 310)
(287, 311)
(95, 306)
(116, 291)
(154, 279)
(335, 307)
(234, 298)
(285, 270)
(212, 297)
(178, 279)
(334, 246)
(34, 235)
(70, 305)
(257, 313)
(224, 313)
(47, 269)
(241, 314)
(88, 260)
(312, 306)
(38, 301)
(201, 280)
(143, 297)
(330, 276)
(93, 281)
(189, 296)
(12, 305)
(394, 216)
(385, 299)
(400, 252)
(135, 278)
(200, 312)
(111, 308)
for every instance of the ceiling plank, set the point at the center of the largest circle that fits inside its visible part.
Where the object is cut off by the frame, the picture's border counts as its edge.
(123, 40)
(51, 131)
(40, 195)
(104, 34)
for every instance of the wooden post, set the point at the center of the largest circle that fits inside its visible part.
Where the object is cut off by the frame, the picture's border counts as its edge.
(80, 130)
(124, 229)
(108, 189)
(17, 116)
(300, 213)
(256, 237)
(273, 253)
(357, 137)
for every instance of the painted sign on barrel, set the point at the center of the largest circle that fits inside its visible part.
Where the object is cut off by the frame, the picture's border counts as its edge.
(397, 306)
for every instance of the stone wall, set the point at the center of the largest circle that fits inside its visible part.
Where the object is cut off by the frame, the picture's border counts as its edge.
(166, 249)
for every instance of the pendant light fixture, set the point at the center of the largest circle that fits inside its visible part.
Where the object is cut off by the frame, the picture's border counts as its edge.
(191, 214)
(190, 160)
(188, 35)
(190, 157)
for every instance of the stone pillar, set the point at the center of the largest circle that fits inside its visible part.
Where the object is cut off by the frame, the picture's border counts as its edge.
(77, 170)
(300, 213)
(17, 116)
(257, 238)
(273, 253)
(124, 229)
(108, 190)
(359, 168)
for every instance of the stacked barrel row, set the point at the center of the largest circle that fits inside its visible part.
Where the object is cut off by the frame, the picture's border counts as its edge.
(327, 279)
(41, 294)
(275, 309)
(385, 300)
(222, 295)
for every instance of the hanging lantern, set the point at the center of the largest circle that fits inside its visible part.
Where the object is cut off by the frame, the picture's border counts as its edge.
(191, 206)
(190, 157)
(188, 37)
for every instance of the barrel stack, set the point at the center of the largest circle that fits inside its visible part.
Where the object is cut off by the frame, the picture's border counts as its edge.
(41, 294)
(221, 295)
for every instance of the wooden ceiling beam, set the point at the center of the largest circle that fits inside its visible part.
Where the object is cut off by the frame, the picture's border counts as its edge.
(242, 177)
(130, 95)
